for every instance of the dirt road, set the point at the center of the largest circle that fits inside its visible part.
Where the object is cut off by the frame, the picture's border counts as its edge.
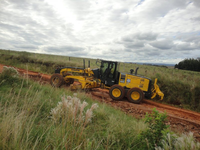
(180, 120)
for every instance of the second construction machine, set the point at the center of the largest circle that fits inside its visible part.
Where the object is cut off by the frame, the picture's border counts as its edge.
(120, 85)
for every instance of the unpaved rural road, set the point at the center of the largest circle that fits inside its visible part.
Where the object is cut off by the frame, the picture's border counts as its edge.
(180, 120)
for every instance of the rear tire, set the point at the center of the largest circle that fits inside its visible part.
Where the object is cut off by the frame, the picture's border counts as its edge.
(135, 95)
(116, 92)
(56, 80)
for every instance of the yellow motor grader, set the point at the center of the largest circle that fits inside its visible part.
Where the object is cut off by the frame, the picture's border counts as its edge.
(120, 85)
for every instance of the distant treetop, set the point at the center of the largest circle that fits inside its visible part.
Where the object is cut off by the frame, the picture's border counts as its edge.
(189, 64)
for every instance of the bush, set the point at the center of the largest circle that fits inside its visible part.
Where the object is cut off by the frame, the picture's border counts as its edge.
(157, 129)
(178, 92)
(9, 75)
(185, 142)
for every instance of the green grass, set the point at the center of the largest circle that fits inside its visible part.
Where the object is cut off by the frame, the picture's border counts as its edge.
(181, 88)
(26, 120)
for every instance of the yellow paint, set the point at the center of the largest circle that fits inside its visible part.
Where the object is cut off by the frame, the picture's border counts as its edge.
(156, 91)
(87, 71)
(116, 92)
(131, 81)
(86, 81)
(135, 95)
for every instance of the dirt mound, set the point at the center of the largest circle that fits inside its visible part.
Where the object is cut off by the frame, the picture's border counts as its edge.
(180, 120)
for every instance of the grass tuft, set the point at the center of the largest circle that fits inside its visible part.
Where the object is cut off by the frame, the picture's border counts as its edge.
(185, 142)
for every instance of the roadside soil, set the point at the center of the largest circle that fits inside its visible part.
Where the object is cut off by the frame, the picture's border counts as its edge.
(180, 120)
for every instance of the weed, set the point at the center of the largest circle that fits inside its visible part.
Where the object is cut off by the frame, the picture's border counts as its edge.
(157, 128)
(9, 75)
(185, 142)
(71, 110)
(9, 71)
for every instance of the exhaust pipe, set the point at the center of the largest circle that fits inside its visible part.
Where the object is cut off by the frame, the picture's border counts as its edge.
(83, 63)
(84, 67)
(88, 63)
(136, 70)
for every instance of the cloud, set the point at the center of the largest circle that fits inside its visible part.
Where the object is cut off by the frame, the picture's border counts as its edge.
(131, 30)
(140, 36)
(137, 40)
(146, 36)
(152, 9)
(25, 47)
(196, 3)
(134, 45)
(189, 37)
(186, 46)
(162, 44)
(63, 48)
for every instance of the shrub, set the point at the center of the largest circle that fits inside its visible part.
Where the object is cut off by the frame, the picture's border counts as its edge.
(184, 142)
(10, 75)
(157, 129)
(10, 71)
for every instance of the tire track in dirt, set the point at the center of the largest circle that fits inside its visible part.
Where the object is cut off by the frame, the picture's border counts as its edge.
(180, 120)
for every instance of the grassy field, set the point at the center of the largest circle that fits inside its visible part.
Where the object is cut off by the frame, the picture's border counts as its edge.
(28, 120)
(181, 88)
(36, 116)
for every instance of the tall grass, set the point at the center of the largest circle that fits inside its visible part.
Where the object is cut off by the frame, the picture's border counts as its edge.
(184, 142)
(34, 116)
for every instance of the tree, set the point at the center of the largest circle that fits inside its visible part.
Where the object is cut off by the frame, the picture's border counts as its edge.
(189, 64)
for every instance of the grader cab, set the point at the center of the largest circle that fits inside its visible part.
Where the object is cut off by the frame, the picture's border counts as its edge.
(120, 85)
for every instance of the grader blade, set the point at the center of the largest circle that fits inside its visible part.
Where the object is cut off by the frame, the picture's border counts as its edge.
(156, 91)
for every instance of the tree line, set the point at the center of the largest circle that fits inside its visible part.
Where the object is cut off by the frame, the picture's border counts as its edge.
(189, 64)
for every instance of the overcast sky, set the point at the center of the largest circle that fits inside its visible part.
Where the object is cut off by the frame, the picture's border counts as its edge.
(164, 31)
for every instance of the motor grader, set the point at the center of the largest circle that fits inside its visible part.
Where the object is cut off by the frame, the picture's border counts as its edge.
(120, 85)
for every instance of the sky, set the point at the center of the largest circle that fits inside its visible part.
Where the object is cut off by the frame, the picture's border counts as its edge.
(149, 31)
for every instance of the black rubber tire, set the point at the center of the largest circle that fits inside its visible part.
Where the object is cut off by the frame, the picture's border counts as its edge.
(140, 95)
(120, 88)
(59, 78)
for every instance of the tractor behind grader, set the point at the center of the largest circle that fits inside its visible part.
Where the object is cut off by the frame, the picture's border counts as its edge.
(120, 85)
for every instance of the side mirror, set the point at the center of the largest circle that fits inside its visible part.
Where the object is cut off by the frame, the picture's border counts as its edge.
(97, 62)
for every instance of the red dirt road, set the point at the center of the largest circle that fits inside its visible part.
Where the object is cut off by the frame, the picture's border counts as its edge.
(180, 120)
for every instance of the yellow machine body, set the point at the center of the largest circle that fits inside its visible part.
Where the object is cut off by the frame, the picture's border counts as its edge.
(131, 81)
(87, 71)
(86, 80)
(156, 91)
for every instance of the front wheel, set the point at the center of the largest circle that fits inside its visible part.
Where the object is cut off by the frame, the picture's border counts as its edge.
(135, 95)
(56, 80)
(116, 92)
